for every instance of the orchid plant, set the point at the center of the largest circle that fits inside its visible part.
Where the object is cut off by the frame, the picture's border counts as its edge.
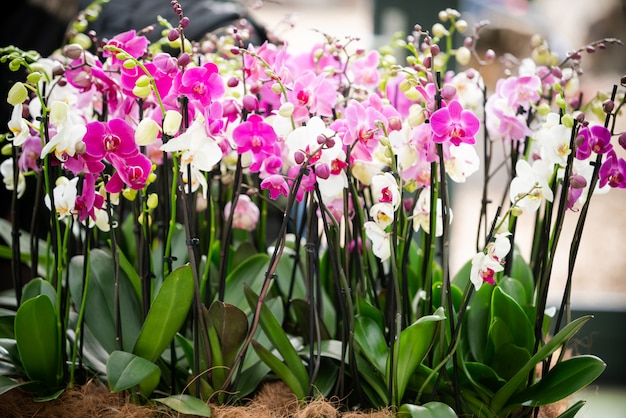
(222, 213)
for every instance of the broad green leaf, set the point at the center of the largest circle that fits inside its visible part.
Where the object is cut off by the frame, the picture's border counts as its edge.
(231, 325)
(186, 404)
(7, 322)
(513, 317)
(371, 342)
(564, 379)
(515, 289)
(36, 287)
(167, 314)
(522, 272)
(508, 359)
(251, 273)
(281, 370)
(484, 376)
(501, 397)
(478, 322)
(126, 370)
(428, 410)
(414, 343)
(36, 335)
(131, 273)
(6, 384)
(573, 410)
(455, 292)
(251, 378)
(364, 308)
(301, 311)
(274, 331)
(100, 303)
(375, 380)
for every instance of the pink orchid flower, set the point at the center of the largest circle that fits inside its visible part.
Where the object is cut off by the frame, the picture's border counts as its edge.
(454, 124)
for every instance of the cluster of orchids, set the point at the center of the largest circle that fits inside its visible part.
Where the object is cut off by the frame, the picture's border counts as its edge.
(330, 123)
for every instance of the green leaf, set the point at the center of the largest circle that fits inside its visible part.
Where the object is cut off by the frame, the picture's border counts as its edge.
(126, 370)
(281, 369)
(515, 289)
(100, 303)
(36, 335)
(522, 272)
(564, 379)
(370, 341)
(6, 230)
(301, 312)
(251, 273)
(274, 331)
(428, 410)
(231, 325)
(414, 343)
(186, 404)
(6, 384)
(478, 322)
(167, 314)
(573, 410)
(501, 397)
(36, 287)
(513, 317)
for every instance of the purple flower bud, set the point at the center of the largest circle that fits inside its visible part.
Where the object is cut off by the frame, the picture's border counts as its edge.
(579, 140)
(448, 91)
(184, 22)
(468, 42)
(321, 139)
(622, 80)
(233, 82)
(395, 123)
(184, 59)
(490, 55)
(435, 50)
(608, 106)
(428, 62)
(172, 35)
(299, 157)
(322, 171)
(556, 71)
(577, 181)
(590, 49)
(250, 103)
(622, 139)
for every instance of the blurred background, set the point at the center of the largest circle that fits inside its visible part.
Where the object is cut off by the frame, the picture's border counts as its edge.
(600, 275)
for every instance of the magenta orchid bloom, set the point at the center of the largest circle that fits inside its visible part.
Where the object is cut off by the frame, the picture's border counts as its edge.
(613, 171)
(132, 172)
(276, 184)
(129, 42)
(596, 139)
(455, 124)
(104, 139)
(255, 136)
(200, 84)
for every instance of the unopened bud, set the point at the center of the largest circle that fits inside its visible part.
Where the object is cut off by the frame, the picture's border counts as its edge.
(608, 106)
(146, 132)
(622, 139)
(17, 94)
(73, 51)
(577, 181)
(153, 201)
(299, 157)
(276, 88)
(184, 59)
(463, 55)
(286, 110)
(322, 171)
(448, 91)
(142, 91)
(171, 122)
(250, 103)
(34, 77)
(129, 64)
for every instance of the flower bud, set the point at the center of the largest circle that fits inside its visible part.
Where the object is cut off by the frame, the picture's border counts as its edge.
(461, 25)
(146, 132)
(17, 94)
(142, 91)
(153, 201)
(448, 91)
(299, 157)
(286, 110)
(34, 77)
(129, 64)
(463, 55)
(250, 103)
(322, 171)
(82, 40)
(416, 116)
(577, 181)
(608, 106)
(543, 109)
(276, 88)
(184, 59)
(232, 82)
(172, 35)
(171, 122)
(58, 112)
(73, 51)
(439, 30)
(129, 194)
(490, 55)
(568, 121)
(622, 139)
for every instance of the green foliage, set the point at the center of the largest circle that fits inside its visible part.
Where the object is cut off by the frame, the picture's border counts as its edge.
(37, 338)
(126, 370)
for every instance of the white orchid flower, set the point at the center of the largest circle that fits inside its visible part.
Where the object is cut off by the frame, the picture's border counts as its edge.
(64, 193)
(530, 186)
(18, 126)
(6, 170)
(379, 239)
(197, 147)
